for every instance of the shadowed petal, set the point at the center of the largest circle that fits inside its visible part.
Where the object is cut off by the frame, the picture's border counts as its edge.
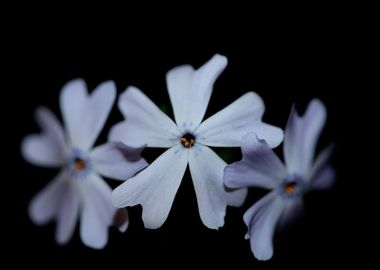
(155, 187)
(190, 90)
(261, 220)
(292, 211)
(322, 175)
(206, 169)
(48, 148)
(259, 167)
(301, 137)
(228, 126)
(117, 160)
(145, 122)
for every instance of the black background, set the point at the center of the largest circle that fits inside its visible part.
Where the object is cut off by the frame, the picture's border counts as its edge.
(283, 65)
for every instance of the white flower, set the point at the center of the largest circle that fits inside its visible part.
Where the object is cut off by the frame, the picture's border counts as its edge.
(260, 167)
(78, 190)
(187, 139)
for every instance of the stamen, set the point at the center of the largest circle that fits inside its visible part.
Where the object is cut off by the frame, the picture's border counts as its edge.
(188, 140)
(79, 164)
(290, 187)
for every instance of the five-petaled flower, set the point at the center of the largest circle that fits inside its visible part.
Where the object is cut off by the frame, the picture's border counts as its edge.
(188, 140)
(78, 190)
(260, 167)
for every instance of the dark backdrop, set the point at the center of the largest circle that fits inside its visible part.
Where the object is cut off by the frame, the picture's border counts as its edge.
(282, 67)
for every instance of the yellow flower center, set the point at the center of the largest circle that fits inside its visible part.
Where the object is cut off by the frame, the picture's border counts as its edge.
(188, 140)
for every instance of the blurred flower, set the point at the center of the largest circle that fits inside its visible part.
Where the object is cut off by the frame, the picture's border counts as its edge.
(260, 167)
(78, 190)
(187, 139)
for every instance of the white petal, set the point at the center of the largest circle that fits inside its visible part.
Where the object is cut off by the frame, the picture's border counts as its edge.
(98, 212)
(85, 114)
(117, 160)
(58, 200)
(73, 103)
(155, 187)
(261, 220)
(190, 90)
(48, 148)
(68, 213)
(260, 167)
(206, 169)
(301, 137)
(227, 127)
(45, 204)
(145, 122)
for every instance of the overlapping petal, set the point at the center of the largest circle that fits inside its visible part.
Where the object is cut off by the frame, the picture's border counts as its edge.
(117, 160)
(259, 167)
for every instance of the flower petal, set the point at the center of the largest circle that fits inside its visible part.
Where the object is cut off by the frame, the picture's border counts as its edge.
(68, 213)
(48, 148)
(261, 220)
(301, 137)
(58, 200)
(85, 115)
(292, 210)
(155, 187)
(227, 127)
(98, 212)
(206, 169)
(99, 105)
(45, 204)
(322, 175)
(190, 90)
(117, 160)
(260, 167)
(145, 122)
(73, 103)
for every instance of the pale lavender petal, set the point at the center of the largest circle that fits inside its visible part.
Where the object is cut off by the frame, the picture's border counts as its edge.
(73, 103)
(322, 175)
(85, 115)
(190, 90)
(117, 160)
(97, 213)
(261, 220)
(99, 106)
(260, 167)
(68, 213)
(45, 205)
(155, 187)
(227, 127)
(324, 179)
(206, 169)
(301, 137)
(48, 148)
(145, 122)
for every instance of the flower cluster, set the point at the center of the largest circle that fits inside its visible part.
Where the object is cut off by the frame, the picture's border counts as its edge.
(80, 191)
